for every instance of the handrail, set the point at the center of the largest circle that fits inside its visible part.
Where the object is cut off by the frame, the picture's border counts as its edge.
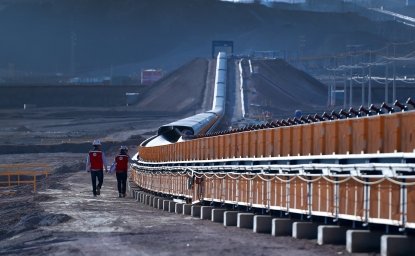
(13, 172)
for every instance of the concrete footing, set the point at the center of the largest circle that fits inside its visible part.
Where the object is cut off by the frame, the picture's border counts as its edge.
(397, 245)
(151, 201)
(132, 192)
(362, 241)
(195, 211)
(166, 204)
(331, 234)
(245, 220)
(305, 230)
(282, 227)
(160, 204)
(172, 206)
(217, 215)
(178, 208)
(206, 212)
(187, 209)
(262, 224)
(147, 200)
(230, 218)
(155, 202)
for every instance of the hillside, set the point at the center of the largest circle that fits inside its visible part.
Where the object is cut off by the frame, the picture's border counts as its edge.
(180, 91)
(81, 36)
(277, 87)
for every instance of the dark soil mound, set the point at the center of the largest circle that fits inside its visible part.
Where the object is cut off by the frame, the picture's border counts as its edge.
(180, 91)
(279, 88)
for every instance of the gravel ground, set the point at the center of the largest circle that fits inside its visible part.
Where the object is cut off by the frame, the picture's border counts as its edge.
(65, 219)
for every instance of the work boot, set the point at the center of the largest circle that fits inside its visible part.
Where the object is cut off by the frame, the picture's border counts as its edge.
(119, 195)
(123, 195)
(98, 191)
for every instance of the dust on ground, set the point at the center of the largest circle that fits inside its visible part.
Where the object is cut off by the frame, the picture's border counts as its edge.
(65, 219)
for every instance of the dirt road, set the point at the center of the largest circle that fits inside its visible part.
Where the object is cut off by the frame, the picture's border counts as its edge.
(66, 219)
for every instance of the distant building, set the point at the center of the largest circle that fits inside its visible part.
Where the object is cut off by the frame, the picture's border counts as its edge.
(89, 80)
(149, 76)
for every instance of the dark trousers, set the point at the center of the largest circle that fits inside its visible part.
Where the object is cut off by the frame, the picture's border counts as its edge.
(94, 176)
(122, 182)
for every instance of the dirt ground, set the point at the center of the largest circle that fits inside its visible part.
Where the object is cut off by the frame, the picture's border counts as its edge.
(65, 219)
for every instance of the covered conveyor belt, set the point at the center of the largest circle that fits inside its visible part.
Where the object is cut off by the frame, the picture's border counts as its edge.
(357, 167)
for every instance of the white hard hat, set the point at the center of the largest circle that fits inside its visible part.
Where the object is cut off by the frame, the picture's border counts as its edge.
(96, 143)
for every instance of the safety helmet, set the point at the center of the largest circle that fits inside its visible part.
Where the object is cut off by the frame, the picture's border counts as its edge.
(96, 143)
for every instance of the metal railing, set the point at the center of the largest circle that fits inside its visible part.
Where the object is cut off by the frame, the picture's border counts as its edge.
(366, 198)
(12, 175)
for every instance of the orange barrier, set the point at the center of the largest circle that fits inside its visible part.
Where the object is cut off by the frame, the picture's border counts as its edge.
(18, 174)
(372, 200)
(277, 142)
(253, 142)
(407, 132)
(331, 141)
(351, 192)
(345, 136)
(261, 143)
(375, 134)
(286, 147)
(232, 146)
(318, 138)
(392, 134)
(268, 143)
(385, 201)
(359, 135)
(297, 141)
(245, 144)
(307, 139)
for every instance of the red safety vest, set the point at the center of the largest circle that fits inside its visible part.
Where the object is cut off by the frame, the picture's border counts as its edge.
(122, 163)
(95, 157)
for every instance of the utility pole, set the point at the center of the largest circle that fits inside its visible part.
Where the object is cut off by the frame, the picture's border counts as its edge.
(363, 86)
(369, 93)
(329, 88)
(344, 91)
(351, 88)
(333, 92)
(387, 83)
(73, 45)
(386, 77)
(394, 74)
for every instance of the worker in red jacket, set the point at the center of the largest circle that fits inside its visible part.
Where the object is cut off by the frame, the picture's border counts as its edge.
(96, 164)
(120, 166)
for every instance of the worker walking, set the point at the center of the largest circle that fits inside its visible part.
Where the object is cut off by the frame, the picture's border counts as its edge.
(120, 166)
(96, 164)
